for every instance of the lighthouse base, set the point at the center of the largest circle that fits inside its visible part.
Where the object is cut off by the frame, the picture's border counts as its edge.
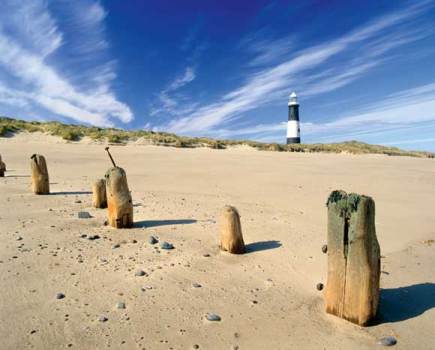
(293, 140)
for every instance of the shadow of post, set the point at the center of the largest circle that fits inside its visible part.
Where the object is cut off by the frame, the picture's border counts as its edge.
(154, 223)
(71, 193)
(259, 246)
(403, 303)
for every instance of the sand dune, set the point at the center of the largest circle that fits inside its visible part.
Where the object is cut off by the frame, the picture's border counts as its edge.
(266, 298)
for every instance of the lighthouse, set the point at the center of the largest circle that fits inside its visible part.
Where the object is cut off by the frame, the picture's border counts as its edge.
(293, 130)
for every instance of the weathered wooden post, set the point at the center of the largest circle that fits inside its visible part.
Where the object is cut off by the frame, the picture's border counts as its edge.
(2, 167)
(231, 238)
(40, 181)
(352, 290)
(119, 202)
(99, 198)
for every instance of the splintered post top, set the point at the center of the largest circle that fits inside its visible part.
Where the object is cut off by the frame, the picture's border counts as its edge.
(110, 156)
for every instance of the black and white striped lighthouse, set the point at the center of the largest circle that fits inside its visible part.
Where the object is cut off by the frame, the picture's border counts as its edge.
(293, 129)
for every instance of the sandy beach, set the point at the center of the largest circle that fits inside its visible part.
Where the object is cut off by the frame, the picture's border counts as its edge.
(266, 298)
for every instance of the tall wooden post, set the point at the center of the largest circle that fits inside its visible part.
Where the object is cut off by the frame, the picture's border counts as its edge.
(40, 180)
(119, 200)
(352, 290)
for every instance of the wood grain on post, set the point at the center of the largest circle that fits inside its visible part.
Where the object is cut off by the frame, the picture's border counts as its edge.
(119, 200)
(352, 290)
(231, 238)
(40, 180)
(99, 198)
(2, 167)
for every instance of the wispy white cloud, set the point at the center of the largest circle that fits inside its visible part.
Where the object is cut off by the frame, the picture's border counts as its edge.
(31, 41)
(169, 99)
(355, 53)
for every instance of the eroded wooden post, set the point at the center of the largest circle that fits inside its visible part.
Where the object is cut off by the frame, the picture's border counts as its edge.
(2, 167)
(352, 289)
(231, 238)
(119, 200)
(99, 198)
(40, 181)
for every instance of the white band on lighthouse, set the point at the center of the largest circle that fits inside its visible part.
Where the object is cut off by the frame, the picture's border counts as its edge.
(293, 128)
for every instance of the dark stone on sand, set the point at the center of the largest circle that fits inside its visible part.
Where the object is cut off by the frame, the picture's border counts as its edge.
(196, 346)
(103, 318)
(196, 285)
(93, 237)
(140, 273)
(166, 245)
(77, 201)
(120, 305)
(60, 296)
(213, 317)
(387, 341)
(325, 248)
(84, 215)
(152, 240)
(84, 235)
(117, 245)
(319, 286)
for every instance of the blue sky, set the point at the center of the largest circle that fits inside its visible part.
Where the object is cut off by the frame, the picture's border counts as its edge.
(363, 70)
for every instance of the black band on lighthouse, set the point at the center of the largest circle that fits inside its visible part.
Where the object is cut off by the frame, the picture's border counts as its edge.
(293, 112)
(293, 140)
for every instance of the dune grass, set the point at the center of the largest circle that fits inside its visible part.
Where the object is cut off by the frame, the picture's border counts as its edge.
(73, 133)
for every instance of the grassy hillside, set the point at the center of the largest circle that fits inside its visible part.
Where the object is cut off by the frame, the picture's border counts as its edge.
(9, 126)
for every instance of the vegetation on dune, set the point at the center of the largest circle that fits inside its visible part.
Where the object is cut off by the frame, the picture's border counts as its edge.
(9, 126)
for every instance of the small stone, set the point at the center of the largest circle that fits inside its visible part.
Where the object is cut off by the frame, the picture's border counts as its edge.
(166, 245)
(133, 241)
(195, 346)
(196, 285)
(93, 237)
(325, 248)
(84, 235)
(120, 305)
(103, 318)
(206, 255)
(84, 215)
(105, 222)
(60, 296)
(387, 341)
(319, 286)
(19, 238)
(140, 273)
(77, 201)
(117, 245)
(152, 240)
(213, 317)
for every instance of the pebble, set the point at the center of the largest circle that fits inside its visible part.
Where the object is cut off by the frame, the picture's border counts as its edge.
(196, 285)
(84, 215)
(319, 286)
(196, 346)
(19, 238)
(120, 305)
(60, 296)
(166, 245)
(78, 201)
(103, 318)
(387, 341)
(325, 248)
(152, 240)
(93, 237)
(84, 235)
(117, 245)
(206, 255)
(213, 317)
(140, 273)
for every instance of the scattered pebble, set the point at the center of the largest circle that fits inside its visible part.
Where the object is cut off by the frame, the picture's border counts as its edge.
(387, 341)
(166, 245)
(84, 235)
(117, 245)
(84, 215)
(93, 237)
(206, 255)
(77, 201)
(325, 248)
(120, 305)
(319, 286)
(60, 296)
(196, 285)
(140, 273)
(19, 238)
(152, 240)
(195, 346)
(133, 241)
(213, 317)
(103, 318)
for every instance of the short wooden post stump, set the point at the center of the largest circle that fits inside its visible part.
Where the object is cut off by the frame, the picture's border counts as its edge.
(40, 180)
(119, 202)
(231, 238)
(99, 198)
